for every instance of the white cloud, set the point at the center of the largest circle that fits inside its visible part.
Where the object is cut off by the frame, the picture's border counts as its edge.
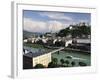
(55, 26)
(56, 16)
(41, 26)
(34, 26)
(86, 21)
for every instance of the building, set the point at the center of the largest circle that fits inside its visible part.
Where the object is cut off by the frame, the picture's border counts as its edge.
(83, 40)
(42, 59)
(67, 42)
(35, 56)
(25, 40)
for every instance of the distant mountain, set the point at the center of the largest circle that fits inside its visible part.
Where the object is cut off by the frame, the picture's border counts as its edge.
(27, 34)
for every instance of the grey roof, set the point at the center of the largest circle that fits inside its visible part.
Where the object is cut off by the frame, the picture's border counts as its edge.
(34, 52)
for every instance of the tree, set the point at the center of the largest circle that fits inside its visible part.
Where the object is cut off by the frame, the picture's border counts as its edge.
(41, 36)
(52, 65)
(39, 66)
(40, 42)
(55, 60)
(62, 61)
(67, 62)
(50, 42)
(73, 63)
(63, 32)
(69, 57)
(82, 64)
(57, 43)
(69, 45)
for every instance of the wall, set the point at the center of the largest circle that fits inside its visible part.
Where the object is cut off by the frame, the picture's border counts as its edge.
(5, 39)
(42, 59)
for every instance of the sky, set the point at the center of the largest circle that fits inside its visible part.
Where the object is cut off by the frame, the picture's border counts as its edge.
(47, 21)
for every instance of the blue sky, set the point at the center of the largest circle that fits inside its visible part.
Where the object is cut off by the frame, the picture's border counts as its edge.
(43, 21)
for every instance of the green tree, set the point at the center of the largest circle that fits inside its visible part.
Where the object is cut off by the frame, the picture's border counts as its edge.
(63, 32)
(39, 66)
(82, 64)
(73, 63)
(55, 60)
(67, 62)
(52, 65)
(41, 36)
(69, 57)
(62, 61)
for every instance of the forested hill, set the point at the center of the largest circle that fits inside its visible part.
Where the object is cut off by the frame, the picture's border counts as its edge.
(75, 31)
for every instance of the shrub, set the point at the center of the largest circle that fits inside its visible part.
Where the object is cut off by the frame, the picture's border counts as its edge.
(73, 63)
(39, 66)
(69, 57)
(52, 65)
(67, 62)
(62, 61)
(82, 64)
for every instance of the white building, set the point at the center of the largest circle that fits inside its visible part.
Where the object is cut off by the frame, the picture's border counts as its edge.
(25, 40)
(42, 59)
(68, 42)
(37, 57)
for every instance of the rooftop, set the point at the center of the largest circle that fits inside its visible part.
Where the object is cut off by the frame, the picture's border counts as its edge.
(34, 52)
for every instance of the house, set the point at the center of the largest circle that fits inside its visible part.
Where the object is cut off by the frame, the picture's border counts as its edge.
(25, 40)
(67, 42)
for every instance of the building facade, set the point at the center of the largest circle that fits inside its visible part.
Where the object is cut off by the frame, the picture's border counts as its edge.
(42, 59)
(32, 57)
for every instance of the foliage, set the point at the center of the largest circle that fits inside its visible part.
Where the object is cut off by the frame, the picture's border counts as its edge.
(67, 62)
(82, 64)
(69, 57)
(76, 31)
(59, 43)
(62, 61)
(54, 60)
(52, 65)
(73, 63)
(63, 32)
(39, 66)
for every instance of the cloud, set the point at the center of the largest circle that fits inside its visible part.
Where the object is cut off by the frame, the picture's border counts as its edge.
(55, 26)
(41, 26)
(34, 26)
(86, 21)
(56, 16)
